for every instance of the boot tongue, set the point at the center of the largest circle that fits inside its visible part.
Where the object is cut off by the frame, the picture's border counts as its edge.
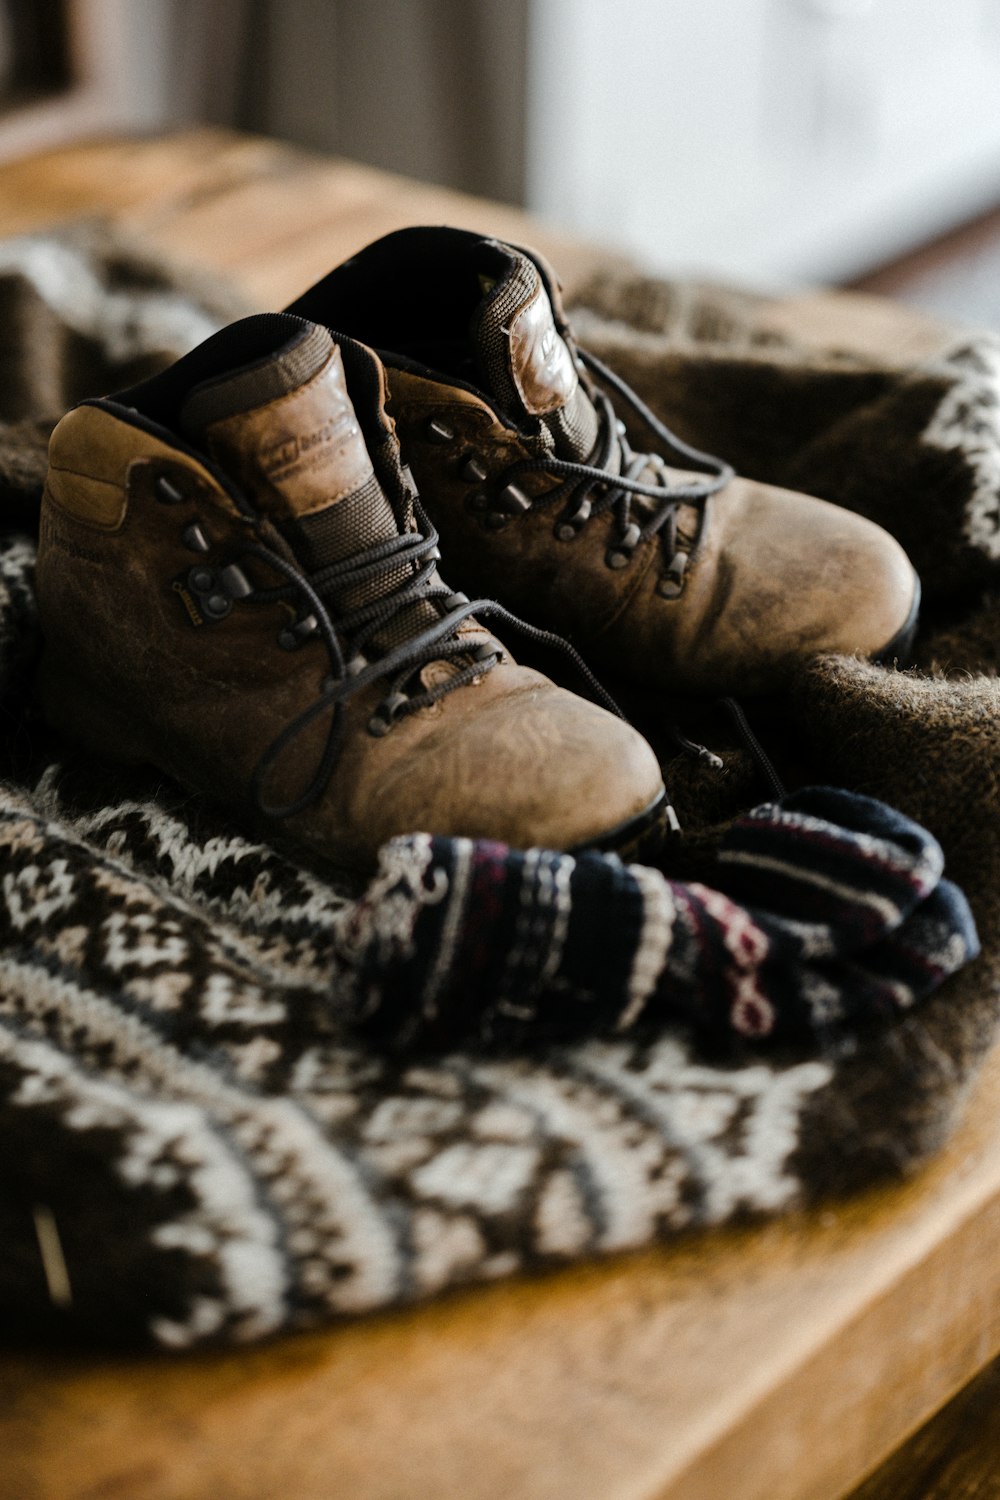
(286, 429)
(526, 363)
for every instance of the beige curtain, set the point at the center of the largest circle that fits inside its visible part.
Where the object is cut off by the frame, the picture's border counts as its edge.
(431, 88)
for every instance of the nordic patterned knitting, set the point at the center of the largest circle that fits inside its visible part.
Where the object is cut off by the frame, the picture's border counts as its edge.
(826, 909)
(250, 1100)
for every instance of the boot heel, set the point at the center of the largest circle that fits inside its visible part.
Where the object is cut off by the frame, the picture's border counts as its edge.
(75, 706)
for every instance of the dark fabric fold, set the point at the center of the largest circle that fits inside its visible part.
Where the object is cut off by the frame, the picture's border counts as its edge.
(243, 1098)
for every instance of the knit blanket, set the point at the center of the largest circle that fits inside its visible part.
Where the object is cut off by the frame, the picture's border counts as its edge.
(238, 1096)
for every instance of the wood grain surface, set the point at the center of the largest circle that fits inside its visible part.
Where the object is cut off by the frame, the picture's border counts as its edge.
(782, 1363)
(272, 217)
(955, 1457)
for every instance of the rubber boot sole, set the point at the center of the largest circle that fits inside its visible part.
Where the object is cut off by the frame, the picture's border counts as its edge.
(900, 648)
(639, 838)
(88, 714)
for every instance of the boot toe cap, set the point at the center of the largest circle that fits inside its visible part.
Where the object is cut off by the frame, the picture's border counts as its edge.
(879, 594)
(801, 578)
(539, 767)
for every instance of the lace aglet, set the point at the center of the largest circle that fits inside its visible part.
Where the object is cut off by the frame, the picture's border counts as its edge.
(699, 752)
(53, 1260)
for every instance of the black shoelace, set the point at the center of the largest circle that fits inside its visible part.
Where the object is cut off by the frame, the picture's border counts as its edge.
(611, 481)
(347, 635)
(592, 489)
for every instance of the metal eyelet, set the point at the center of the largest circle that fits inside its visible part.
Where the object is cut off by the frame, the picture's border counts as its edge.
(514, 501)
(202, 594)
(209, 594)
(621, 555)
(201, 580)
(294, 636)
(568, 528)
(497, 511)
(438, 432)
(472, 471)
(385, 715)
(166, 491)
(194, 538)
(235, 582)
(671, 585)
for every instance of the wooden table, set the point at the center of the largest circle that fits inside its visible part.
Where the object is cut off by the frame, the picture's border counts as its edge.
(779, 1364)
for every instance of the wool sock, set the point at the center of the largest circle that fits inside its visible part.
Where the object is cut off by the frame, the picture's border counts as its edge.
(829, 909)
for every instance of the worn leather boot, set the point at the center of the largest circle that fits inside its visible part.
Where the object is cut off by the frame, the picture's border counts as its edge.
(235, 585)
(663, 568)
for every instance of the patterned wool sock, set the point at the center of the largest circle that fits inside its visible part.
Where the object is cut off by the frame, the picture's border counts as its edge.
(829, 910)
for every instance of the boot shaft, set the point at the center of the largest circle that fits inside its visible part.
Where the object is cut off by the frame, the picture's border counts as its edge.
(559, 492)
(234, 587)
(172, 514)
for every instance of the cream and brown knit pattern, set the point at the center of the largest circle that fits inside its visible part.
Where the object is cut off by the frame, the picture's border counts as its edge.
(186, 1097)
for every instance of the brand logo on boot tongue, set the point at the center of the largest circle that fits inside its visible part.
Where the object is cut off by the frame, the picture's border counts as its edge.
(288, 450)
(540, 361)
(302, 451)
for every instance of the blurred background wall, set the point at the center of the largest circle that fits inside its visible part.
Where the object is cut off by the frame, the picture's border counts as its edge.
(775, 141)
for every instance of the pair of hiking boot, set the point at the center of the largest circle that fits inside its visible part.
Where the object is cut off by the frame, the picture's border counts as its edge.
(238, 566)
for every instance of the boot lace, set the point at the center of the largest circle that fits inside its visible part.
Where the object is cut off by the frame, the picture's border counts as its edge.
(349, 634)
(612, 481)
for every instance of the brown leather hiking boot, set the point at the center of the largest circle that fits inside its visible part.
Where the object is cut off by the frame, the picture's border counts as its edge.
(679, 578)
(236, 586)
